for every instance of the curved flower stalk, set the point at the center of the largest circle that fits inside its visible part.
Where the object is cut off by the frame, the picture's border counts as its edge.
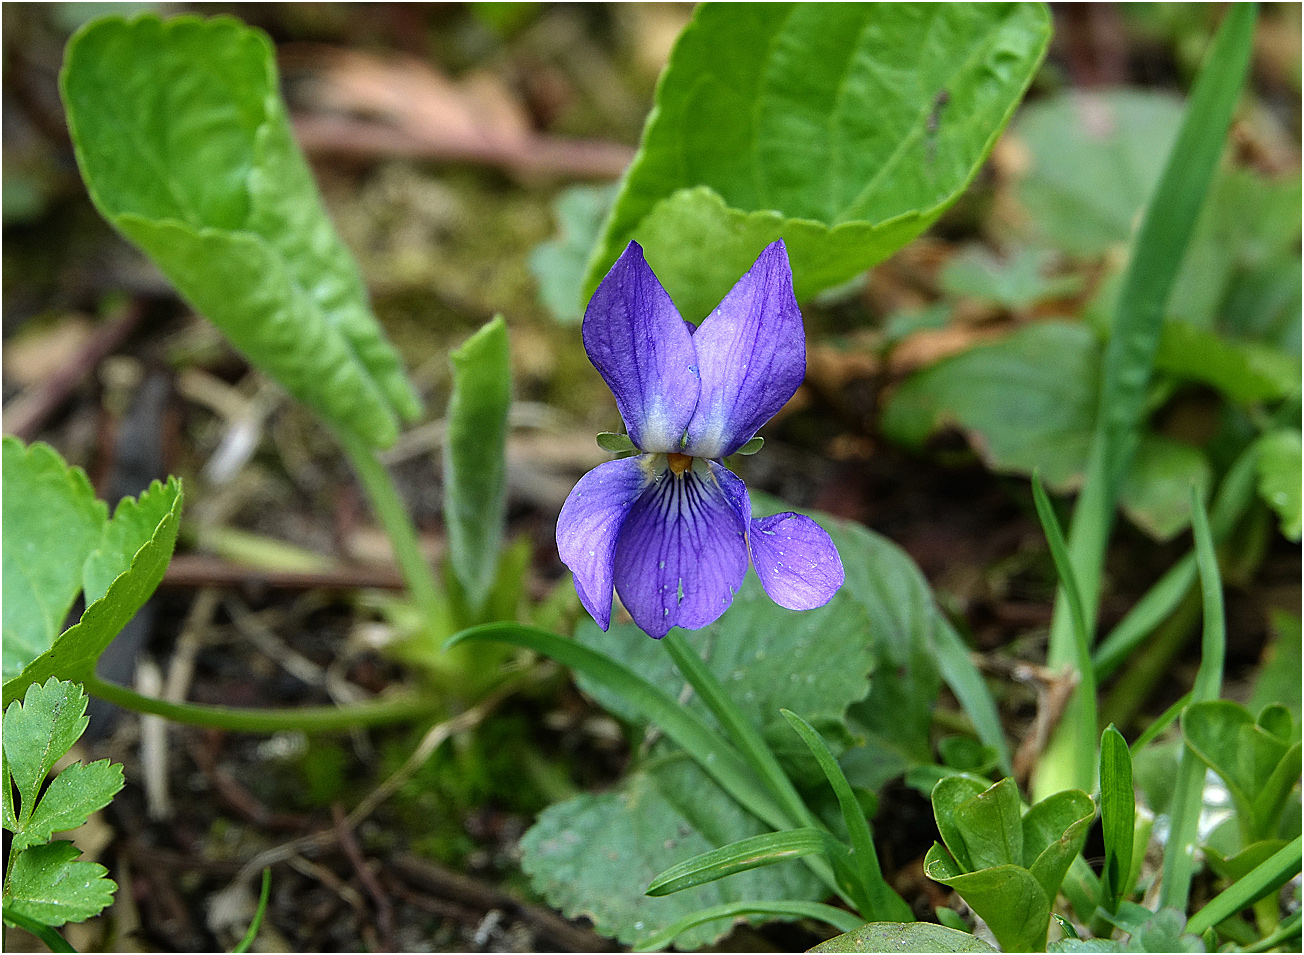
(671, 528)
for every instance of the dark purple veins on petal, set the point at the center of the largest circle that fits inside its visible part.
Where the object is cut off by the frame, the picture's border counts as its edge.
(682, 552)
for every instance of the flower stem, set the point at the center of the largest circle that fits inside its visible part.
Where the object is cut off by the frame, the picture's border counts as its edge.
(749, 741)
(309, 719)
(398, 525)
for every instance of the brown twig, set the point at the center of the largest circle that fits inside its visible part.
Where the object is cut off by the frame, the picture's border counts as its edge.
(450, 884)
(384, 909)
(533, 156)
(30, 411)
(1053, 694)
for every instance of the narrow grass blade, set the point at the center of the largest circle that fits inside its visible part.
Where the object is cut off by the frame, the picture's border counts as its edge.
(257, 923)
(1157, 256)
(765, 849)
(957, 669)
(1290, 930)
(1235, 494)
(1161, 723)
(744, 735)
(720, 760)
(1272, 873)
(53, 940)
(1117, 815)
(1175, 887)
(840, 919)
(1083, 711)
(885, 905)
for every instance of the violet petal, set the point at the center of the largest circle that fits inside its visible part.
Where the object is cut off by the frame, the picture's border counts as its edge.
(682, 552)
(590, 523)
(751, 351)
(636, 339)
(795, 558)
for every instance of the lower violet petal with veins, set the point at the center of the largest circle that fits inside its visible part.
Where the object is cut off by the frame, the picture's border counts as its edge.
(671, 530)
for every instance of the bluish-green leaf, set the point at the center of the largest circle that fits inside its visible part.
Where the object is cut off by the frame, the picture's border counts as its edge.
(904, 937)
(751, 853)
(559, 264)
(1279, 478)
(128, 578)
(1279, 669)
(845, 129)
(1092, 162)
(1054, 832)
(475, 458)
(1029, 401)
(1017, 282)
(595, 855)
(186, 148)
(48, 884)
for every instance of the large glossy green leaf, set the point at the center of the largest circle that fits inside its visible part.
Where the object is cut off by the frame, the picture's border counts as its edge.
(186, 148)
(119, 570)
(1029, 401)
(844, 129)
(595, 855)
(904, 937)
(475, 458)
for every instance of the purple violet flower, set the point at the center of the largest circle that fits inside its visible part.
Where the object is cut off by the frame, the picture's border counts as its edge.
(671, 528)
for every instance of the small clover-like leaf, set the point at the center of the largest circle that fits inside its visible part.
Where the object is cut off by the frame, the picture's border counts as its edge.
(69, 801)
(48, 884)
(37, 733)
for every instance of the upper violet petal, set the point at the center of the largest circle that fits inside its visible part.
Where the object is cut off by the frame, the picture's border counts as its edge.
(641, 347)
(590, 523)
(795, 558)
(682, 552)
(751, 351)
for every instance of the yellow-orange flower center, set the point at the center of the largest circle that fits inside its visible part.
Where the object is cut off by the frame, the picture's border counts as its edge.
(679, 463)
